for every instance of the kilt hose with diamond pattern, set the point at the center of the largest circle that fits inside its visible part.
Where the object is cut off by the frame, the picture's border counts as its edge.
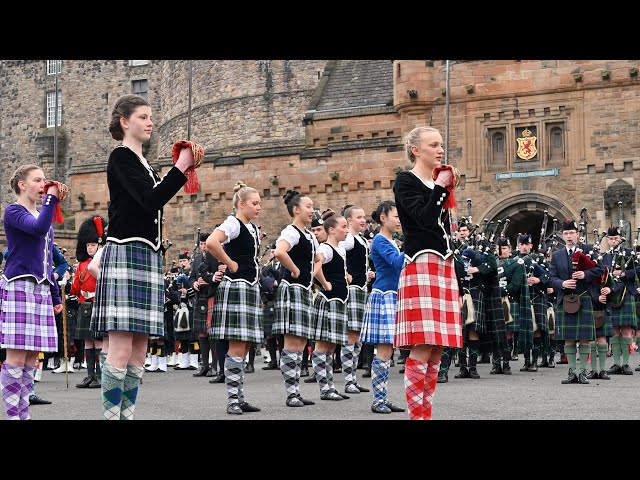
(294, 311)
(130, 290)
(356, 304)
(428, 308)
(237, 312)
(625, 315)
(331, 320)
(576, 326)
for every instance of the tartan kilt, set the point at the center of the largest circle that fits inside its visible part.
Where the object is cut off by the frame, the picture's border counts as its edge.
(169, 335)
(237, 312)
(625, 315)
(130, 290)
(479, 323)
(606, 330)
(331, 320)
(515, 314)
(27, 321)
(82, 329)
(379, 322)
(356, 303)
(540, 310)
(494, 313)
(294, 312)
(428, 308)
(72, 325)
(576, 326)
(200, 315)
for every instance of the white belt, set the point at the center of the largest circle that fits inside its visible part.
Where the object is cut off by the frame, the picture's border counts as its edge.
(87, 294)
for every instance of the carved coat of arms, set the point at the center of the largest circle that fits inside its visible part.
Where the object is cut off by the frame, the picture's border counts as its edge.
(527, 145)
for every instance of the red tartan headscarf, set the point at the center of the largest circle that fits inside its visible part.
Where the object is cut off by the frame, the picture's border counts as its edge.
(192, 185)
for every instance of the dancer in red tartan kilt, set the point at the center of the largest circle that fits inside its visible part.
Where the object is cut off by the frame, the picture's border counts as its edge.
(428, 311)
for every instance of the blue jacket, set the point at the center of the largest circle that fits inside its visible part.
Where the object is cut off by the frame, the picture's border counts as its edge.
(388, 261)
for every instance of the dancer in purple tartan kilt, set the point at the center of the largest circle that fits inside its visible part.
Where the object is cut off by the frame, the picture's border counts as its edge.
(237, 306)
(296, 251)
(129, 301)
(357, 248)
(380, 313)
(330, 305)
(29, 293)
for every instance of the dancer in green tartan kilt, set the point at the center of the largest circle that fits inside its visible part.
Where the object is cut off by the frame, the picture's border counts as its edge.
(620, 300)
(237, 307)
(575, 279)
(129, 301)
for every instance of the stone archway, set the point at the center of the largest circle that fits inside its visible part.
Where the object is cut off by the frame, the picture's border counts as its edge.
(526, 211)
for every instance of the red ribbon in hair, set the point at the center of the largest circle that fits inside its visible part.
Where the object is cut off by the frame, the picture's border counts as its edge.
(58, 218)
(192, 185)
(450, 202)
(97, 221)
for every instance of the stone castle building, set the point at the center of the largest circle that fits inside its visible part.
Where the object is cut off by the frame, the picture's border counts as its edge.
(528, 136)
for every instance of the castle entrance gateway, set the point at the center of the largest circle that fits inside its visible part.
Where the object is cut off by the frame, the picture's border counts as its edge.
(526, 213)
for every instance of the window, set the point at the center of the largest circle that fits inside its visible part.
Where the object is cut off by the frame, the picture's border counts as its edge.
(498, 155)
(139, 87)
(51, 108)
(52, 65)
(556, 145)
(139, 63)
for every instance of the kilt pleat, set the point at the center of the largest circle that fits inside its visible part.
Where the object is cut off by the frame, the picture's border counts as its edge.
(130, 290)
(576, 326)
(379, 322)
(428, 308)
(237, 312)
(539, 303)
(479, 323)
(27, 321)
(294, 311)
(331, 320)
(625, 315)
(200, 314)
(356, 304)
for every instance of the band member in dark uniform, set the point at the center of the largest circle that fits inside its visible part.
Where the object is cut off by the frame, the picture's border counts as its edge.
(620, 301)
(575, 288)
(205, 277)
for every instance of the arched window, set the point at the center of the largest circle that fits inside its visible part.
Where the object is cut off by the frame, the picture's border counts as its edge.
(556, 143)
(498, 156)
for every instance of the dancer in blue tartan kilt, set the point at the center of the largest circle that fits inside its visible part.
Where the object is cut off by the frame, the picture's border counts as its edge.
(576, 286)
(296, 250)
(357, 248)
(130, 290)
(330, 270)
(620, 300)
(237, 307)
(380, 313)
